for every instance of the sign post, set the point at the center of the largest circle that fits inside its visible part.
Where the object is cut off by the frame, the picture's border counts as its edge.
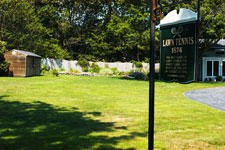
(176, 54)
(152, 76)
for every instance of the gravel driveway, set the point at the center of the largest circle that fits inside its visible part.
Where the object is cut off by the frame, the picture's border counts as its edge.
(214, 97)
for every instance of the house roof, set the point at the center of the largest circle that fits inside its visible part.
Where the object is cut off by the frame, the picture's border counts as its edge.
(219, 44)
(26, 53)
(215, 53)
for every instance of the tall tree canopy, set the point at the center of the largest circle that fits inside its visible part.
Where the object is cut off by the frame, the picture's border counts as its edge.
(95, 29)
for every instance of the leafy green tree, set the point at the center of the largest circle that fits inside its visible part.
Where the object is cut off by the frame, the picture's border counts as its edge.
(22, 28)
(212, 21)
(4, 66)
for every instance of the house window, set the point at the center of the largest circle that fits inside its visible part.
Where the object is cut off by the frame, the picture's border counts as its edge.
(223, 68)
(209, 68)
(216, 68)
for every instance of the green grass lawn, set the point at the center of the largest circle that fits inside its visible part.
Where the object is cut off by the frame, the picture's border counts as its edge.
(104, 113)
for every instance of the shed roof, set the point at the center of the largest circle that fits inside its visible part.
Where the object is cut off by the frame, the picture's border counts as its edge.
(26, 53)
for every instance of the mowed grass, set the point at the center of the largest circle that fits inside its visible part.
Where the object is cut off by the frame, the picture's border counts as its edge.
(104, 113)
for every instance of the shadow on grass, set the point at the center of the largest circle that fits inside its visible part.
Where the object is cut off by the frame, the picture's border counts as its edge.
(40, 126)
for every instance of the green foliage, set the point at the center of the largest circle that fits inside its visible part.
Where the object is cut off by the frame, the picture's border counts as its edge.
(95, 68)
(219, 78)
(83, 63)
(4, 66)
(106, 65)
(140, 77)
(137, 64)
(106, 71)
(212, 21)
(62, 69)
(55, 72)
(96, 31)
(22, 28)
(44, 69)
(74, 70)
(114, 70)
(85, 69)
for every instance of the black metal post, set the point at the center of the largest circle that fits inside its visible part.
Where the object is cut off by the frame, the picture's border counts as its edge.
(197, 42)
(152, 78)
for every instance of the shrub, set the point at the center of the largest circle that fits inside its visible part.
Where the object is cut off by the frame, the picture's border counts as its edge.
(219, 78)
(95, 68)
(114, 70)
(106, 71)
(138, 75)
(74, 70)
(137, 64)
(62, 69)
(106, 65)
(4, 66)
(44, 69)
(84, 64)
(85, 69)
(55, 72)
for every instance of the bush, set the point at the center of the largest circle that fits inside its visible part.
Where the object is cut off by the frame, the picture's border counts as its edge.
(62, 69)
(114, 70)
(4, 66)
(44, 69)
(219, 78)
(137, 64)
(106, 71)
(95, 68)
(84, 64)
(55, 72)
(74, 70)
(85, 69)
(138, 75)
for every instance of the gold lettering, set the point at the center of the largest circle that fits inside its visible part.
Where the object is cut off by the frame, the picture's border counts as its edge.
(164, 44)
(191, 40)
(169, 42)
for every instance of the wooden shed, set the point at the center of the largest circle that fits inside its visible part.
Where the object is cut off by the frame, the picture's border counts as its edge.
(23, 63)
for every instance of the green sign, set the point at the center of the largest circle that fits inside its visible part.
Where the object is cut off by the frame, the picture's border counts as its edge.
(178, 52)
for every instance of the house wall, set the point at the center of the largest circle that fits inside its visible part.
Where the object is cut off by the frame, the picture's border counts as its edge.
(33, 66)
(17, 64)
(204, 67)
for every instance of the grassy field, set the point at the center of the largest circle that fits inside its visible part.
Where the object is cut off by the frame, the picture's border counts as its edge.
(104, 113)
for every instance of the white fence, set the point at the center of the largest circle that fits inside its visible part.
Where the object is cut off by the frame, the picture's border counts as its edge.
(69, 64)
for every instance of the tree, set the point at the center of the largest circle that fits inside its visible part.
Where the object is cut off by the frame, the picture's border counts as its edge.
(212, 21)
(4, 66)
(22, 28)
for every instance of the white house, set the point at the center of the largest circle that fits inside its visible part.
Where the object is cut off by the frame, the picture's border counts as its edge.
(213, 62)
